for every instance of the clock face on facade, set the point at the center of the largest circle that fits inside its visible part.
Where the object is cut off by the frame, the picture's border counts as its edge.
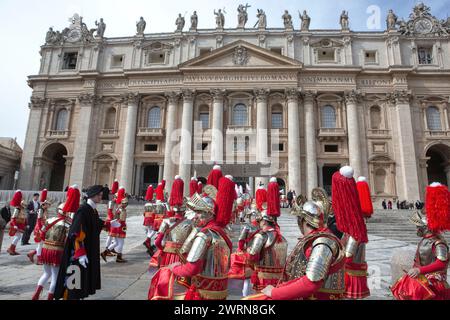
(74, 35)
(423, 25)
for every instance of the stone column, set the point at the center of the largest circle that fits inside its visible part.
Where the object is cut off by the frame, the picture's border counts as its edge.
(354, 144)
(186, 138)
(310, 142)
(407, 149)
(161, 172)
(129, 142)
(262, 140)
(171, 121)
(81, 164)
(292, 95)
(31, 143)
(217, 133)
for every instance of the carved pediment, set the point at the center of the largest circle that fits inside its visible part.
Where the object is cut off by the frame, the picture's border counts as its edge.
(241, 54)
(157, 46)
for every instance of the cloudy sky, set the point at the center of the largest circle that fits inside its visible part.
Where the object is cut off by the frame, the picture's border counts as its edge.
(24, 23)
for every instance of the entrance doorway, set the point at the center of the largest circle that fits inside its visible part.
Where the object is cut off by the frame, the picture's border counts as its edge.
(150, 176)
(439, 161)
(327, 174)
(54, 155)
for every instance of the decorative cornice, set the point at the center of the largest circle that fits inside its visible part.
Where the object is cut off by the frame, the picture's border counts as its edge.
(87, 98)
(401, 97)
(36, 102)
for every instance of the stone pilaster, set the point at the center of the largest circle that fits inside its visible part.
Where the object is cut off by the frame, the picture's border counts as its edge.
(129, 141)
(262, 140)
(310, 143)
(409, 189)
(186, 138)
(292, 97)
(217, 126)
(31, 144)
(354, 143)
(172, 99)
(80, 164)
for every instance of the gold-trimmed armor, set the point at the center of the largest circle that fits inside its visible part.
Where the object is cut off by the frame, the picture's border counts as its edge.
(111, 204)
(122, 214)
(55, 237)
(19, 215)
(272, 253)
(187, 245)
(355, 249)
(211, 282)
(426, 255)
(327, 253)
(175, 231)
(246, 231)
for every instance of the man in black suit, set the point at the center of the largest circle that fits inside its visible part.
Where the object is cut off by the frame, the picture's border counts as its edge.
(106, 192)
(32, 208)
(5, 217)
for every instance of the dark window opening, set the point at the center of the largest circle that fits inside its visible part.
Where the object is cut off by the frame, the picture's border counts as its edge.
(331, 148)
(151, 147)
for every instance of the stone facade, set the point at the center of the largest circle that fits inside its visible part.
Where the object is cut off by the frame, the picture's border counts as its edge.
(10, 155)
(305, 102)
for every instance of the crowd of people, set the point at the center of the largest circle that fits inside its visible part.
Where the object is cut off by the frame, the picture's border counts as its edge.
(187, 239)
(402, 205)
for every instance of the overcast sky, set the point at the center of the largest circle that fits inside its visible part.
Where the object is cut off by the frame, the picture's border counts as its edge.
(24, 23)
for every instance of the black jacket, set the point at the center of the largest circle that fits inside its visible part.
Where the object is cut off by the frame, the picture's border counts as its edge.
(30, 207)
(88, 221)
(6, 213)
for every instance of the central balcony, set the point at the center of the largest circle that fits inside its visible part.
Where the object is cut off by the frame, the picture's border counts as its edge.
(331, 134)
(151, 132)
(58, 134)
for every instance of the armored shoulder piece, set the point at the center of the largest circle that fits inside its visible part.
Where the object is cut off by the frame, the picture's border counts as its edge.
(199, 247)
(244, 233)
(258, 243)
(321, 258)
(271, 238)
(15, 213)
(351, 247)
(165, 225)
(441, 250)
(187, 245)
(111, 205)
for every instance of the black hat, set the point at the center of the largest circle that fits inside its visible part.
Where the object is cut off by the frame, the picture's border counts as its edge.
(93, 191)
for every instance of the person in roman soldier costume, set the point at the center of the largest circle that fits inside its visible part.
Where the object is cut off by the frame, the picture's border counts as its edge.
(119, 233)
(193, 186)
(261, 198)
(82, 249)
(111, 215)
(54, 234)
(214, 177)
(115, 187)
(268, 250)
(207, 263)
(42, 216)
(350, 221)
(160, 213)
(18, 222)
(241, 268)
(149, 218)
(427, 280)
(200, 187)
(315, 268)
(239, 210)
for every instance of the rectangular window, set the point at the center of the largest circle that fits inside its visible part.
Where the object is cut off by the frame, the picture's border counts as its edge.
(425, 55)
(279, 147)
(277, 50)
(370, 57)
(326, 55)
(151, 148)
(157, 57)
(331, 148)
(117, 61)
(70, 60)
(202, 146)
(277, 120)
(204, 118)
(204, 51)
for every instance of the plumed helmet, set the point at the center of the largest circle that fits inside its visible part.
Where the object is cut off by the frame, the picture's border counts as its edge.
(310, 212)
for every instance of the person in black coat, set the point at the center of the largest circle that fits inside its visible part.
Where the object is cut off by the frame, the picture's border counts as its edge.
(81, 257)
(32, 208)
(106, 192)
(5, 217)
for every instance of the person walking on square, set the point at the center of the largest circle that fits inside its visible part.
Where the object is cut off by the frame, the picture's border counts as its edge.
(5, 217)
(18, 222)
(42, 217)
(427, 279)
(32, 209)
(149, 218)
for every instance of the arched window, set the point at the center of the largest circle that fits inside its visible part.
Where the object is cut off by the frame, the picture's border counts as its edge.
(375, 117)
(380, 181)
(61, 120)
(154, 118)
(328, 117)
(240, 116)
(433, 119)
(277, 118)
(110, 119)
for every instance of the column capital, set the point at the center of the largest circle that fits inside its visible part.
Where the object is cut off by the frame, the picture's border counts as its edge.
(131, 98)
(309, 96)
(172, 97)
(37, 102)
(292, 94)
(352, 97)
(188, 95)
(261, 94)
(218, 94)
(87, 98)
(400, 97)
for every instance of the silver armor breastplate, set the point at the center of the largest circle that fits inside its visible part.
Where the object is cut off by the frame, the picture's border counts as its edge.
(425, 254)
(217, 256)
(57, 234)
(187, 245)
(180, 232)
(357, 249)
(274, 253)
